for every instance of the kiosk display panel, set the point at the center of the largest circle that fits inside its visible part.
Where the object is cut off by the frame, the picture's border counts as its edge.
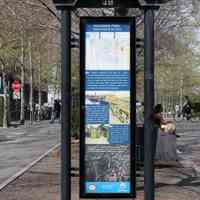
(107, 153)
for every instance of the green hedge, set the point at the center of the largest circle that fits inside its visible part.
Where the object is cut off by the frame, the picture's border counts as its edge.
(1, 111)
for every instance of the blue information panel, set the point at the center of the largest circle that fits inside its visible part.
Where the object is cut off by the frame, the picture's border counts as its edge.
(107, 108)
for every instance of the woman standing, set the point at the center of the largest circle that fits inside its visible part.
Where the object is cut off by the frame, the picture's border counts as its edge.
(166, 144)
(158, 121)
(165, 141)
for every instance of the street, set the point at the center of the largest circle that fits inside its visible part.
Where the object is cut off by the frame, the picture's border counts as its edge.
(21, 146)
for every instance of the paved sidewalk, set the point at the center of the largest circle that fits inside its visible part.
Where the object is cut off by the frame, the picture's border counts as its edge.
(22, 146)
(27, 124)
(13, 131)
(42, 182)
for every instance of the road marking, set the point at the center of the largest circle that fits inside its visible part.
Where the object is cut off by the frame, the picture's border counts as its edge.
(22, 171)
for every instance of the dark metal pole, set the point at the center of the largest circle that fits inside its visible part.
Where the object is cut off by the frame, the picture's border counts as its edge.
(148, 104)
(66, 106)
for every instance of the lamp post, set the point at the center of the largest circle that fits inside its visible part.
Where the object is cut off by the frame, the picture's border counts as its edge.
(149, 130)
(149, 144)
(64, 7)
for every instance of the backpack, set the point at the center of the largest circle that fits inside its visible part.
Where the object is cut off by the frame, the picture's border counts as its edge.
(187, 109)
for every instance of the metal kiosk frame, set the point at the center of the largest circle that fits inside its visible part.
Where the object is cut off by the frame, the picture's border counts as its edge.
(66, 6)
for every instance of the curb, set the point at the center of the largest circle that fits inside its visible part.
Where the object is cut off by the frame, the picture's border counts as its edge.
(22, 171)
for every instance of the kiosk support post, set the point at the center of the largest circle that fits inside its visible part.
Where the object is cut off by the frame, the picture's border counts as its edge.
(148, 103)
(66, 105)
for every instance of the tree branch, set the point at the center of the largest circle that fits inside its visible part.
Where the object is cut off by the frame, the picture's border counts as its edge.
(50, 10)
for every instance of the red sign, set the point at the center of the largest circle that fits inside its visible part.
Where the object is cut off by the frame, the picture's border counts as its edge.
(16, 86)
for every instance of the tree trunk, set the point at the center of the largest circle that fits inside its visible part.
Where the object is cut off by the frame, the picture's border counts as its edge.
(156, 90)
(181, 93)
(31, 83)
(55, 86)
(5, 101)
(22, 114)
(39, 88)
